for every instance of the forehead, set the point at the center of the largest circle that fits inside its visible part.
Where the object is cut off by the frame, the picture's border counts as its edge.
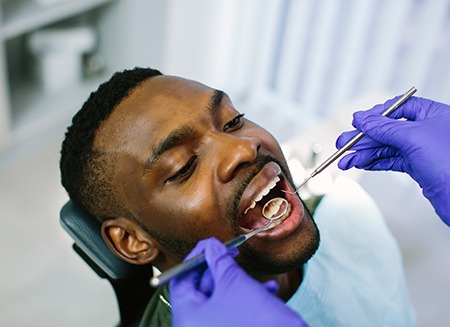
(157, 103)
(165, 90)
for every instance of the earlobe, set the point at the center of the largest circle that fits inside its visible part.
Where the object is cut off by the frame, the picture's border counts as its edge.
(127, 240)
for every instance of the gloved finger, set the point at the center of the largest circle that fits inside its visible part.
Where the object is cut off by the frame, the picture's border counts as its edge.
(384, 129)
(189, 281)
(199, 280)
(417, 108)
(379, 108)
(344, 138)
(206, 283)
(272, 286)
(196, 280)
(208, 242)
(224, 269)
(213, 249)
(409, 109)
(351, 160)
(233, 251)
(375, 111)
(365, 142)
(214, 252)
(414, 108)
(365, 157)
(185, 287)
(198, 249)
(384, 158)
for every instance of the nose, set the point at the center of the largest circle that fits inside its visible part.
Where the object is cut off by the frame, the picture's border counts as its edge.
(234, 153)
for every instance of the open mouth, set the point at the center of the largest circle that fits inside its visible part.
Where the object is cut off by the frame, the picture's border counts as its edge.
(253, 217)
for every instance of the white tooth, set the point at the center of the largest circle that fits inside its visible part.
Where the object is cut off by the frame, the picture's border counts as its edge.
(251, 207)
(271, 185)
(263, 193)
(259, 197)
(266, 191)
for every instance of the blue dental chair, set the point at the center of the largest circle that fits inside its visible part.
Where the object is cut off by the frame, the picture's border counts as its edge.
(130, 282)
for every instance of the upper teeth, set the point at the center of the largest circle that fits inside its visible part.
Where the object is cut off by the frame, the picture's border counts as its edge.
(263, 193)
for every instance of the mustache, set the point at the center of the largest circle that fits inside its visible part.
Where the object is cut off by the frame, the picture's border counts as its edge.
(245, 180)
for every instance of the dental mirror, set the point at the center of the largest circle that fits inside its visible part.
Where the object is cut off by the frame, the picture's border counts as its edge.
(275, 208)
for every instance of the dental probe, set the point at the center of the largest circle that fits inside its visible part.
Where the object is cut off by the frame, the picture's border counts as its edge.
(355, 139)
(200, 259)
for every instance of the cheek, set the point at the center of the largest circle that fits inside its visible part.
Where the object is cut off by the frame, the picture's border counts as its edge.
(187, 214)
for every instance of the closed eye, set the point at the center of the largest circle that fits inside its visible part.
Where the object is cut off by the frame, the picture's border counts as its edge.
(234, 124)
(185, 172)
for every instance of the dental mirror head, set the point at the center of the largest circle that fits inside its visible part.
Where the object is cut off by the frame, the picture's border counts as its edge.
(275, 208)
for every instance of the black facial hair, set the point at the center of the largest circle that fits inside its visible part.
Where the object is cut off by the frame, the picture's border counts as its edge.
(178, 247)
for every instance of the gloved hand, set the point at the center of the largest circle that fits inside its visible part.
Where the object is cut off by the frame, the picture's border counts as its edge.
(418, 145)
(223, 294)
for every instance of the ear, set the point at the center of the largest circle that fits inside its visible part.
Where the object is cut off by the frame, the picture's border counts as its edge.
(128, 241)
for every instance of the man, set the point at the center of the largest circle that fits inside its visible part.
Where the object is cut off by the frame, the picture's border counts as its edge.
(417, 145)
(164, 162)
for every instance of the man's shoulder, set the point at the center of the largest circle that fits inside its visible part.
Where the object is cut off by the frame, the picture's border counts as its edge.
(158, 312)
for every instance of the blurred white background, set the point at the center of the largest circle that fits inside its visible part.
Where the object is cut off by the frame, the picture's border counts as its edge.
(297, 67)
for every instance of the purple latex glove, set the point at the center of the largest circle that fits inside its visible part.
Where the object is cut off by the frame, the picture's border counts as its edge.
(223, 294)
(418, 145)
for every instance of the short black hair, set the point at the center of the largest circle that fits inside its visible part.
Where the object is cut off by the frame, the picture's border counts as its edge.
(84, 170)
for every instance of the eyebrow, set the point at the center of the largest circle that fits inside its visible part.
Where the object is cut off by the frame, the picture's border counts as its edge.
(177, 136)
(215, 101)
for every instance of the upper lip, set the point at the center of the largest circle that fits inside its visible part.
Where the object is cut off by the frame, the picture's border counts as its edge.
(264, 177)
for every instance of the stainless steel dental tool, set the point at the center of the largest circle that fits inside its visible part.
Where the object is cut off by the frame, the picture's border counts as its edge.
(199, 259)
(354, 140)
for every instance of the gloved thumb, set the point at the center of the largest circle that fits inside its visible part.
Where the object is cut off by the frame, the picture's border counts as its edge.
(221, 265)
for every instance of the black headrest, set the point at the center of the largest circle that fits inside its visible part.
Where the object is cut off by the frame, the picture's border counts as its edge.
(86, 232)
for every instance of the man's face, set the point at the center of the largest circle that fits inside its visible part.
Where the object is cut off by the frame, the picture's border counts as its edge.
(189, 166)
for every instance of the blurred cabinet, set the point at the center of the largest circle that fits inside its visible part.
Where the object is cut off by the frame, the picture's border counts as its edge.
(27, 108)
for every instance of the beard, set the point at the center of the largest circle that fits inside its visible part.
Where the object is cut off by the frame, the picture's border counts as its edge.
(258, 264)
(180, 248)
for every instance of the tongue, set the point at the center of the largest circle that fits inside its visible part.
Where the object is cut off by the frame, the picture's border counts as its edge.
(253, 219)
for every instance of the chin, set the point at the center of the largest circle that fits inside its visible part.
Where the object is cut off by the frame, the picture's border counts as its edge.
(301, 249)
